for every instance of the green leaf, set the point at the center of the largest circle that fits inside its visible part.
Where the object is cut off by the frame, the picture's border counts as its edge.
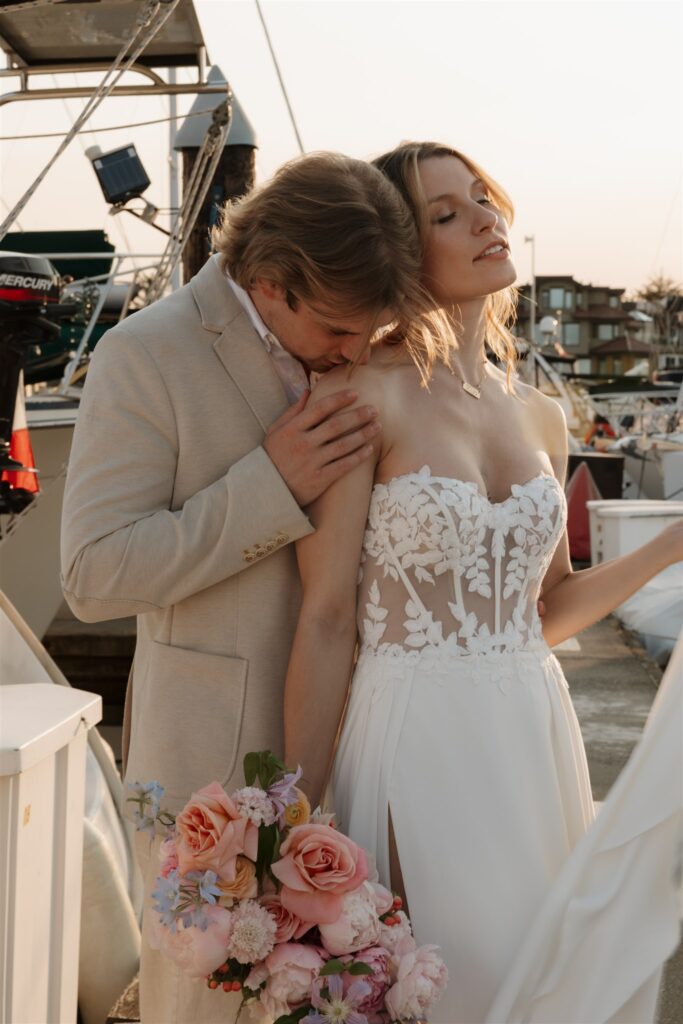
(332, 967)
(251, 767)
(360, 968)
(267, 836)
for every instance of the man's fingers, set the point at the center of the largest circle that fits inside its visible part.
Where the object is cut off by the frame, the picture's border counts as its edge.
(318, 411)
(336, 450)
(334, 470)
(343, 423)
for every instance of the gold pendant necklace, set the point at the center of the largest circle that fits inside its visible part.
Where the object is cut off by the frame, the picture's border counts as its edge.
(471, 389)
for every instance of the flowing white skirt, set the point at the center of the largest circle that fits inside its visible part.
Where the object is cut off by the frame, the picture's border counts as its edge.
(480, 761)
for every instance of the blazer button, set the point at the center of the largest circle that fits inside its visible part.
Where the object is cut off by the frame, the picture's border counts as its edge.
(270, 546)
(249, 557)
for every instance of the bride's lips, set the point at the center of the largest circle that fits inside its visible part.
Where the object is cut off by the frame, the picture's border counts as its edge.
(500, 254)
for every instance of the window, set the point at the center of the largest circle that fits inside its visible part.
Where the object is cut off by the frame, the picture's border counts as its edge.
(568, 300)
(571, 334)
(582, 366)
(579, 300)
(605, 332)
(544, 298)
(557, 298)
(614, 301)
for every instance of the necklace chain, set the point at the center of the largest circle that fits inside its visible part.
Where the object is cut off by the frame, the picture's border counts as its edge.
(471, 389)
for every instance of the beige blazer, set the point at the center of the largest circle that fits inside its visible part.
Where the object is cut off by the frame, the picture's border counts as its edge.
(174, 512)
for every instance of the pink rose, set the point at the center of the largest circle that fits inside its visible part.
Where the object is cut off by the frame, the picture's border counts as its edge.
(357, 926)
(196, 952)
(379, 981)
(421, 979)
(292, 969)
(289, 926)
(318, 866)
(210, 834)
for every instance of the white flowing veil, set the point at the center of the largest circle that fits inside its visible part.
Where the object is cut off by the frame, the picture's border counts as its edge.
(595, 952)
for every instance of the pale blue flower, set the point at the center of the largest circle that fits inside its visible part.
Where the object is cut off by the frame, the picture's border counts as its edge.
(167, 898)
(147, 796)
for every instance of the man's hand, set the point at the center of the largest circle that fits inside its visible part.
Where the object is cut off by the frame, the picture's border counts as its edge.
(313, 445)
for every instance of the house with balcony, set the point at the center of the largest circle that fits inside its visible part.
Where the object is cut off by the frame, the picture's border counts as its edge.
(600, 332)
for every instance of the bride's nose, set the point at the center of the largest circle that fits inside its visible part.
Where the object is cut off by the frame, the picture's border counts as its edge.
(485, 219)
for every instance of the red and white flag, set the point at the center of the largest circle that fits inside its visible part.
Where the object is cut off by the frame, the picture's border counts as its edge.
(20, 447)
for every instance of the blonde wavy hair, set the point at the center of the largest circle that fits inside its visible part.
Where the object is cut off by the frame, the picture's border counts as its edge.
(401, 166)
(333, 232)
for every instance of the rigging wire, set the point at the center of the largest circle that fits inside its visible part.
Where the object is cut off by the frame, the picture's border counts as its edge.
(280, 78)
(113, 128)
(667, 223)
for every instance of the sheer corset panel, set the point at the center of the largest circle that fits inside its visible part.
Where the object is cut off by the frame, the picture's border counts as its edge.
(443, 567)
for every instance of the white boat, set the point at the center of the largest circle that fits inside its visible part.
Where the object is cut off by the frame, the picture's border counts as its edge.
(655, 612)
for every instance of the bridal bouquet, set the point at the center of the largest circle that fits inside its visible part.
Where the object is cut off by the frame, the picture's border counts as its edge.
(258, 896)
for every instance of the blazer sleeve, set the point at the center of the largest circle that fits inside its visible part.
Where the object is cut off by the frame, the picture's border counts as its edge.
(125, 550)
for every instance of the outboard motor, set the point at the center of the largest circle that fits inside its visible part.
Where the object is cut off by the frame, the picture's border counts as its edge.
(29, 290)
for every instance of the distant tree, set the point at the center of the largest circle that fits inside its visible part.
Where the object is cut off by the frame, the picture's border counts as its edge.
(663, 296)
(659, 288)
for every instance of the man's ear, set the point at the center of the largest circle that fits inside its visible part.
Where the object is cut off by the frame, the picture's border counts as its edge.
(269, 290)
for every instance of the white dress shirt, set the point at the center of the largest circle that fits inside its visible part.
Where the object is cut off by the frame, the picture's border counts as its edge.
(290, 371)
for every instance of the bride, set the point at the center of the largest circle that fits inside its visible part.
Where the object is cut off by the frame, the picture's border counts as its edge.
(460, 763)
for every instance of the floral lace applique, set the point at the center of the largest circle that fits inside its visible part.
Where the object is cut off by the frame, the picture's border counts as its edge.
(444, 567)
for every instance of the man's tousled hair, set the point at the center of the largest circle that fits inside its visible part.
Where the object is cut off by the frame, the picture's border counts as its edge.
(333, 232)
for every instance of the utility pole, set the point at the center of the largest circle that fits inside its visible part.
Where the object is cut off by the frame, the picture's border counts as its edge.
(531, 239)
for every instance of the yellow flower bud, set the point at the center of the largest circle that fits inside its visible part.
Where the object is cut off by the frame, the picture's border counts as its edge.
(299, 812)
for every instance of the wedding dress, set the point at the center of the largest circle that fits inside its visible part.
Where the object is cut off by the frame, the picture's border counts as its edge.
(460, 731)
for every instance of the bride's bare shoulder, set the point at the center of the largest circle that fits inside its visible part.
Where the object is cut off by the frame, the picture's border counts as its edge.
(375, 381)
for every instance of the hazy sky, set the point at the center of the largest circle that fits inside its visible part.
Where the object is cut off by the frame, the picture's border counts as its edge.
(575, 107)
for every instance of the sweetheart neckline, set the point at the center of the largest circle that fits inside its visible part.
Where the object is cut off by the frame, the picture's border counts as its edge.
(426, 471)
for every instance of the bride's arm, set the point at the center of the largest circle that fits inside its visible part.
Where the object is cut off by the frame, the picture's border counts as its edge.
(322, 653)
(575, 600)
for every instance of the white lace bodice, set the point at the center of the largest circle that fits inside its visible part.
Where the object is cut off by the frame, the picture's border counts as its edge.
(445, 568)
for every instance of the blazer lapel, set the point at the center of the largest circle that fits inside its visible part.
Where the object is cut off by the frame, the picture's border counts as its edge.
(238, 346)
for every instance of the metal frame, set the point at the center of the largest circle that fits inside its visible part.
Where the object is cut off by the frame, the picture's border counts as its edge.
(159, 86)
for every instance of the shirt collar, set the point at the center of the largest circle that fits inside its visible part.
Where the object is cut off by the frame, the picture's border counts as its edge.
(264, 332)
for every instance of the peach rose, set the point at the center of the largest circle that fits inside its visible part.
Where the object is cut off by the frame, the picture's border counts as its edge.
(318, 866)
(210, 834)
(289, 926)
(244, 885)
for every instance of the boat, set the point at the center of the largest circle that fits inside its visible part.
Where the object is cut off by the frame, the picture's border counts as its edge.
(53, 352)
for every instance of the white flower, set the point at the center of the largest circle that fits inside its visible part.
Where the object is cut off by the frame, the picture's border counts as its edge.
(253, 933)
(255, 804)
(392, 935)
(358, 925)
(319, 817)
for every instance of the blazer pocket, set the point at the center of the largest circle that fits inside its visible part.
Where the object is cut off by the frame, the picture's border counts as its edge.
(193, 717)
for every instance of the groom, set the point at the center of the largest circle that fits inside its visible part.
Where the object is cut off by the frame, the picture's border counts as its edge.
(195, 454)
